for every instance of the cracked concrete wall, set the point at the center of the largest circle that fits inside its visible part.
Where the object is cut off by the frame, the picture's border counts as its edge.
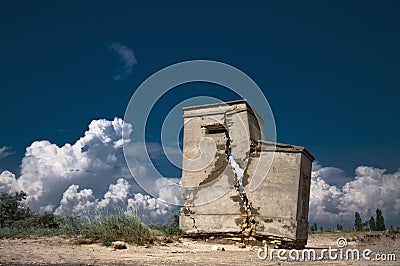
(279, 204)
(206, 172)
(282, 197)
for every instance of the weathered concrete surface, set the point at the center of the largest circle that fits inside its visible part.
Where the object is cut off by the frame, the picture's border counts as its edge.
(282, 197)
(273, 199)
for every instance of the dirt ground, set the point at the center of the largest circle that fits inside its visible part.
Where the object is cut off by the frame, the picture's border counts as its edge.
(184, 251)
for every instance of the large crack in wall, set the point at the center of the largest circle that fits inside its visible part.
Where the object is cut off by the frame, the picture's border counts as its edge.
(247, 222)
(248, 225)
(186, 210)
(247, 185)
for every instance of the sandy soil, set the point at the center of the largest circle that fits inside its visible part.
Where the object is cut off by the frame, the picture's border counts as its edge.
(63, 251)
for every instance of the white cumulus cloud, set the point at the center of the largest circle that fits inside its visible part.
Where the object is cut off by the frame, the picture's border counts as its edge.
(119, 198)
(94, 161)
(371, 188)
(76, 202)
(7, 181)
(89, 175)
(149, 209)
(116, 194)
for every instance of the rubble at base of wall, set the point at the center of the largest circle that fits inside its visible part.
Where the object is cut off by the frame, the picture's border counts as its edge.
(256, 240)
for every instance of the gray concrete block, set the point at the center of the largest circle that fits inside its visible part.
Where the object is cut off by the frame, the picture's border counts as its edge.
(271, 198)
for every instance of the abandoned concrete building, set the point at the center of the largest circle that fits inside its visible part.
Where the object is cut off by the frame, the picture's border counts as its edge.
(235, 182)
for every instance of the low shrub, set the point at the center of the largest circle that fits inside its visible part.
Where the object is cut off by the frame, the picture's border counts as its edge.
(106, 229)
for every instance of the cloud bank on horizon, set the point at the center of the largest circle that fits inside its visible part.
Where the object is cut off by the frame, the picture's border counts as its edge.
(371, 188)
(91, 174)
(87, 176)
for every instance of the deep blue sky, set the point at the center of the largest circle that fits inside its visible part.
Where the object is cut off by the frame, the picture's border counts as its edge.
(330, 69)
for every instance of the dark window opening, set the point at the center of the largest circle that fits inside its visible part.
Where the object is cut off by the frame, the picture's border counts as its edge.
(215, 129)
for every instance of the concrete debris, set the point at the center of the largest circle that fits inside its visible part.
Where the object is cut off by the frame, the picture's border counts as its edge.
(217, 248)
(234, 238)
(240, 245)
(118, 245)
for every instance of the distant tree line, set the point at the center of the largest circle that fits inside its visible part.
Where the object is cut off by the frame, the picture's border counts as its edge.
(314, 228)
(372, 224)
